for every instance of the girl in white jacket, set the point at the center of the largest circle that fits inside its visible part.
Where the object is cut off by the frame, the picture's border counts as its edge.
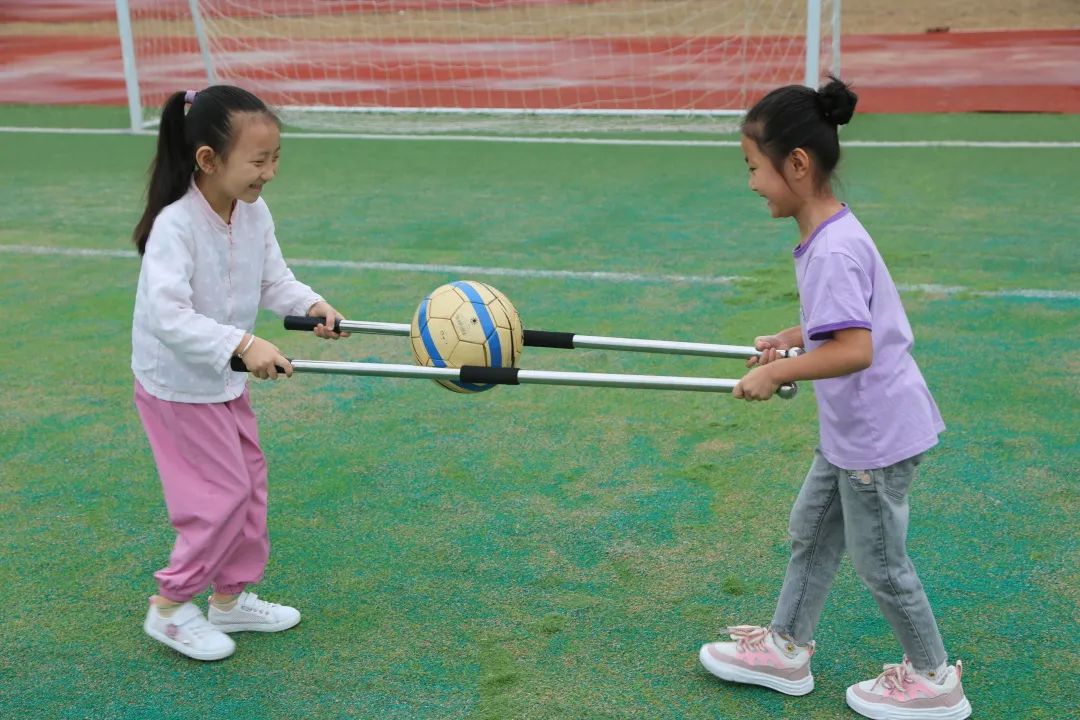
(210, 260)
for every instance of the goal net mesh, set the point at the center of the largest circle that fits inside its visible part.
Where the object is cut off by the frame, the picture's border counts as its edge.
(490, 66)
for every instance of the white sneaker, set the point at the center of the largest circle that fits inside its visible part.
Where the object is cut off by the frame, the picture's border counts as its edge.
(757, 656)
(252, 614)
(187, 631)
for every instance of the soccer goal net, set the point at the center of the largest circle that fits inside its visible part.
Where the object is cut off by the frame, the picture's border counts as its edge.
(448, 65)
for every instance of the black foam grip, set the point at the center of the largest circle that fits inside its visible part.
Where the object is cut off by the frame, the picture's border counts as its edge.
(237, 365)
(546, 338)
(303, 322)
(489, 376)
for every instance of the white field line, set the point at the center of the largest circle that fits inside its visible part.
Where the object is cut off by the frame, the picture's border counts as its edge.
(600, 276)
(645, 142)
(416, 267)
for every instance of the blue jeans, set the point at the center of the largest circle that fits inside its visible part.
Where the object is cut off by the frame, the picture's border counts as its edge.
(865, 511)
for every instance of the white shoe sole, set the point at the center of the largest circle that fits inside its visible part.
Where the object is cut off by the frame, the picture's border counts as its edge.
(889, 712)
(255, 627)
(733, 673)
(187, 650)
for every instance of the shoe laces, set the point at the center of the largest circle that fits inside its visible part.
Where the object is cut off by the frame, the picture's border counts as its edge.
(753, 637)
(895, 676)
(748, 637)
(254, 604)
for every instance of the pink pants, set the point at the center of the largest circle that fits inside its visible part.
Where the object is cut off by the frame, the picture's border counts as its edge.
(213, 473)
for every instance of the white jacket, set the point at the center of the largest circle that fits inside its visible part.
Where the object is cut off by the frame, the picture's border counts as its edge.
(201, 285)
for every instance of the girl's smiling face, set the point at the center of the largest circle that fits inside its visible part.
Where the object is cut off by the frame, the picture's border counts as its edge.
(253, 159)
(767, 181)
(250, 162)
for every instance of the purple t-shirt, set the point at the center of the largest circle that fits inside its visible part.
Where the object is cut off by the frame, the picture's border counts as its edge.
(884, 414)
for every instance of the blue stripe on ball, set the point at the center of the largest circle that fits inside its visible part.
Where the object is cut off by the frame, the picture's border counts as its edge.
(487, 323)
(425, 335)
(433, 350)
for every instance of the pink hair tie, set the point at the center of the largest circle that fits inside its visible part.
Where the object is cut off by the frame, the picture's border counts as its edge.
(189, 96)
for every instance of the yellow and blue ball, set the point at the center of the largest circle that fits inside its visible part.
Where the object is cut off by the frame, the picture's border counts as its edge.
(466, 323)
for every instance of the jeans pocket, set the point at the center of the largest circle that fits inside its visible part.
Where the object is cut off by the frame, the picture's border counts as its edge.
(896, 479)
(862, 480)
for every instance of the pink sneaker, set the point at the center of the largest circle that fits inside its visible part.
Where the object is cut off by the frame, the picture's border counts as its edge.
(759, 656)
(900, 693)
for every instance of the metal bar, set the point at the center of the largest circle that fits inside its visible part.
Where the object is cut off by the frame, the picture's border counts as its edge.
(332, 367)
(588, 342)
(637, 382)
(813, 43)
(667, 346)
(131, 74)
(530, 377)
(204, 43)
(836, 36)
(374, 328)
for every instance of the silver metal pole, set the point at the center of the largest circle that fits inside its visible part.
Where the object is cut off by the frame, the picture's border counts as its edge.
(333, 367)
(588, 342)
(131, 75)
(668, 346)
(813, 43)
(637, 382)
(836, 34)
(204, 43)
(530, 377)
(374, 328)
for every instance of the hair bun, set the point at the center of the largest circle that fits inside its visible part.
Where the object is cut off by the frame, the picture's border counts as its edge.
(837, 101)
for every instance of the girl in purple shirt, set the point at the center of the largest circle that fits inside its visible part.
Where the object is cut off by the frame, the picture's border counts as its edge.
(877, 418)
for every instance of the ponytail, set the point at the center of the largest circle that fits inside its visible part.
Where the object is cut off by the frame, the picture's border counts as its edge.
(170, 172)
(207, 122)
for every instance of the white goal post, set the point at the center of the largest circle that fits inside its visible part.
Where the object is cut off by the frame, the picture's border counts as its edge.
(334, 64)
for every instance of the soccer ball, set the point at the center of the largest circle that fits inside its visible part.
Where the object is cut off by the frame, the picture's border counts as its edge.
(466, 323)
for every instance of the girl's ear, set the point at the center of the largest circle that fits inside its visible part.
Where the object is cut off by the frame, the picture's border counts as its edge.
(799, 163)
(206, 159)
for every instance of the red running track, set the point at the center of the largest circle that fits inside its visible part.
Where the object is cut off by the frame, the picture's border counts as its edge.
(1022, 71)
(105, 10)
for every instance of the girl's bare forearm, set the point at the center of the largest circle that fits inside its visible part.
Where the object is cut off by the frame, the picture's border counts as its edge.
(849, 351)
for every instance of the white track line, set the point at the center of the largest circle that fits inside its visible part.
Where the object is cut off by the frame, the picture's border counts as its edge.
(517, 272)
(994, 144)
(1028, 293)
(415, 267)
